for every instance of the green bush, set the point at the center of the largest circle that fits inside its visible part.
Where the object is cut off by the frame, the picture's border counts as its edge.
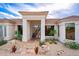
(72, 45)
(2, 42)
(52, 32)
(18, 35)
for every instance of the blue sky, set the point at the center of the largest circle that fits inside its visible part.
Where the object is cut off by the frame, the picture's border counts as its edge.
(56, 10)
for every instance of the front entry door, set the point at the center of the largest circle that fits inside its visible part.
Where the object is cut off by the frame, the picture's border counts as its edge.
(35, 31)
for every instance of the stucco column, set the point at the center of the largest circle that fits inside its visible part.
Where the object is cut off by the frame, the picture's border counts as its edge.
(77, 32)
(9, 31)
(3, 28)
(28, 30)
(42, 30)
(56, 34)
(25, 31)
(62, 32)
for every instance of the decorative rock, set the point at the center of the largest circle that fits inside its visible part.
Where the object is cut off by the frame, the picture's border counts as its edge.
(60, 52)
(45, 47)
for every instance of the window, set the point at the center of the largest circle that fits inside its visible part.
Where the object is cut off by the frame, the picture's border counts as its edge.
(20, 29)
(49, 30)
(58, 31)
(70, 31)
(5, 31)
(1, 32)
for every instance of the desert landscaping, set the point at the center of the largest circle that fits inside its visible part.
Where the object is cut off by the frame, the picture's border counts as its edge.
(28, 49)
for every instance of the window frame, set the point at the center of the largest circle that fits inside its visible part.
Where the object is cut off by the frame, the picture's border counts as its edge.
(49, 26)
(69, 27)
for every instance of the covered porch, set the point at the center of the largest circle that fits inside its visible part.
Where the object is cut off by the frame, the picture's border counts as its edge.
(33, 18)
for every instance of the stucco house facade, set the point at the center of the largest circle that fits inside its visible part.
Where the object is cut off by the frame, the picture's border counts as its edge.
(67, 29)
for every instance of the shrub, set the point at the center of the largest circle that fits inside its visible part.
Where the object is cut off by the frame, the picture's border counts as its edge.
(50, 41)
(52, 32)
(2, 42)
(72, 45)
(18, 35)
(41, 43)
(54, 41)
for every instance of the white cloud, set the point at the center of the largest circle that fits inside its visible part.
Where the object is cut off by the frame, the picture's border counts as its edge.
(52, 8)
(21, 7)
(8, 16)
(55, 9)
(11, 9)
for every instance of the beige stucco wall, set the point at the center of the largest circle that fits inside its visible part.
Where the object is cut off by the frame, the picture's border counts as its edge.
(69, 19)
(51, 21)
(62, 28)
(11, 27)
(10, 30)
